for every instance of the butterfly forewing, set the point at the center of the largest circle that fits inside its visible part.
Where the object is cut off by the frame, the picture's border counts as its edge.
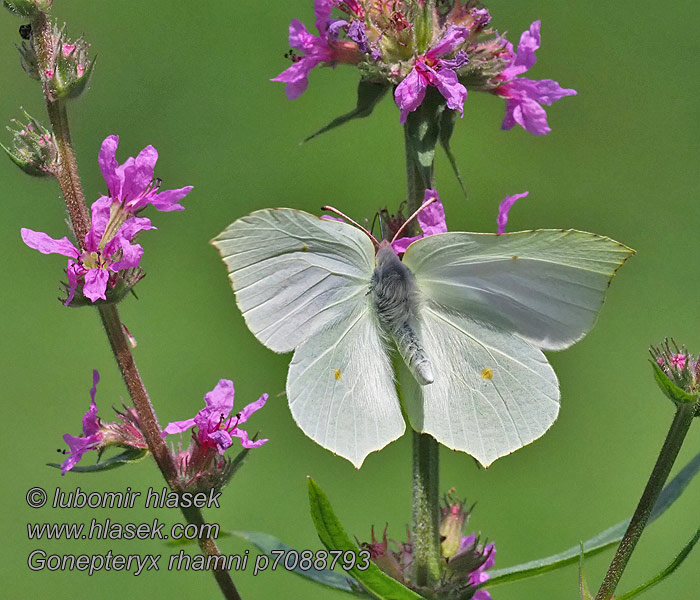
(294, 273)
(546, 286)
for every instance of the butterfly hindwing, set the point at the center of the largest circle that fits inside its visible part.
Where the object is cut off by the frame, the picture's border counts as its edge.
(341, 389)
(493, 391)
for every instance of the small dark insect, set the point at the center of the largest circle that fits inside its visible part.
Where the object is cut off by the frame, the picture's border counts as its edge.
(25, 31)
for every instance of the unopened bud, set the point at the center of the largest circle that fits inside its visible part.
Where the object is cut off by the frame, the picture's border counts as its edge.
(33, 148)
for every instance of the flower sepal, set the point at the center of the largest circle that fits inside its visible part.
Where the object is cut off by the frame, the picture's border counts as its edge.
(670, 389)
(677, 372)
(33, 148)
(118, 287)
(27, 8)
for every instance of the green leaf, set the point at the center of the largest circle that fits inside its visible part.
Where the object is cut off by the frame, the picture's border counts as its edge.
(368, 96)
(584, 592)
(447, 126)
(129, 456)
(669, 388)
(603, 540)
(666, 572)
(268, 543)
(333, 536)
(422, 131)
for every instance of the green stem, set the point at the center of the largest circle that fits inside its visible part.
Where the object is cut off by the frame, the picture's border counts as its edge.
(672, 445)
(426, 510)
(69, 180)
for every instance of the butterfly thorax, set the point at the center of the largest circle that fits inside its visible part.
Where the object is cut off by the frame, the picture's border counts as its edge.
(395, 300)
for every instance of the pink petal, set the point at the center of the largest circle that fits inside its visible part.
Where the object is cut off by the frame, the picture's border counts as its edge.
(108, 164)
(72, 274)
(141, 175)
(245, 414)
(169, 199)
(452, 39)
(133, 225)
(101, 210)
(401, 245)
(503, 209)
(322, 10)
(221, 397)
(299, 36)
(48, 245)
(221, 438)
(245, 440)
(432, 218)
(453, 91)
(529, 43)
(296, 77)
(410, 93)
(131, 256)
(178, 427)
(95, 284)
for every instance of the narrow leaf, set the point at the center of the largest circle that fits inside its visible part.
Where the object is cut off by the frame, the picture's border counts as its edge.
(131, 455)
(422, 131)
(333, 536)
(603, 540)
(447, 126)
(368, 96)
(583, 590)
(666, 572)
(268, 543)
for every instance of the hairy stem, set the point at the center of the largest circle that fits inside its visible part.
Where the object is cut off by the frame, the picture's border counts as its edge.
(67, 174)
(69, 181)
(426, 510)
(672, 445)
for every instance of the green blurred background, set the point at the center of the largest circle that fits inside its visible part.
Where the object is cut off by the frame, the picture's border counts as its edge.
(191, 78)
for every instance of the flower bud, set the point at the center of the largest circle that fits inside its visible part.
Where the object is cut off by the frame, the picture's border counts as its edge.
(69, 68)
(27, 8)
(383, 557)
(454, 518)
(677, 372)
(33, 147)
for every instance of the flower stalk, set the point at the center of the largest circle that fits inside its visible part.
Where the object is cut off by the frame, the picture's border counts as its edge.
(426, 511)
(69, 181)
(682, 420)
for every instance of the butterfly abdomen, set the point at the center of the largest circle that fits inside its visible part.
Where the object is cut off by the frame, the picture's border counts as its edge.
(395, 300)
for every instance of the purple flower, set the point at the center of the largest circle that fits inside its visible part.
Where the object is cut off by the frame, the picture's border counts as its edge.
(215, 427)
(431, 69)
(106, 251)
(131, 185)
(431, 220)
(503, 209)
(315, 48)
(92, 436)
(479, 575)
(524, 96)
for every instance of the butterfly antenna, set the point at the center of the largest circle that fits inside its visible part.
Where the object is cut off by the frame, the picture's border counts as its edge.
(349, 220)
(413, 216)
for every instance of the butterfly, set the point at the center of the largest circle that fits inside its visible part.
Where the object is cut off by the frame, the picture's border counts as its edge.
(468, 313)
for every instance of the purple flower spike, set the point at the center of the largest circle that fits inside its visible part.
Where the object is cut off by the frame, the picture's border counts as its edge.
(215, 426)
(524, 96)
(431, 69)
(503, 209)
(132, 185)
(431, 220)
(480, 575)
